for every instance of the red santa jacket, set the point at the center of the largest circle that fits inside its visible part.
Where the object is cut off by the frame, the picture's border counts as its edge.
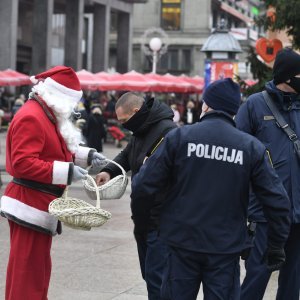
(35, 150)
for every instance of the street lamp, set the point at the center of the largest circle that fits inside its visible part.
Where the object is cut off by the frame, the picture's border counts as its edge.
(155, 45)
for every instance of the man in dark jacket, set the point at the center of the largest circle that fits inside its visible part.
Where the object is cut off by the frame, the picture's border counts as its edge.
(149, 121)
(208, 167)
(255, 117)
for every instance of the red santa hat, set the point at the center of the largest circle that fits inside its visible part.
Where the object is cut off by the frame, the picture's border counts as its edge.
(61, 80)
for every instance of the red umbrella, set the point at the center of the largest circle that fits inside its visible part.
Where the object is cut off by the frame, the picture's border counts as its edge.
(13, 78)
(179, 84)
(109, 81)
(137, 82)
(170, 83)
(87, 80)
(196, 81)
(23, 78)
(159, 83)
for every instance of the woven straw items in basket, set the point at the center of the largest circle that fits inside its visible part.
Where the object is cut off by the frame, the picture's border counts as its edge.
(79, 214)
(113, 189)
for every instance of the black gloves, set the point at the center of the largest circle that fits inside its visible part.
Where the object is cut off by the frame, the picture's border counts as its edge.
(274, 258)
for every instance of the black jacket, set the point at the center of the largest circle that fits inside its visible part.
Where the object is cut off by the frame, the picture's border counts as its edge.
(95, 131)
(208, 166)
(158, 123)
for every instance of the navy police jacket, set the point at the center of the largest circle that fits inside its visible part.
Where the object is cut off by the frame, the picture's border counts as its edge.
(209, 166)
(255, 118)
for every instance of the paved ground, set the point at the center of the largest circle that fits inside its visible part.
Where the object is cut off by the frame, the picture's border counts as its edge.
(100, 264)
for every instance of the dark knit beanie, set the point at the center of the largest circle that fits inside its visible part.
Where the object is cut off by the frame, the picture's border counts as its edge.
(223, 95)
(286, 65)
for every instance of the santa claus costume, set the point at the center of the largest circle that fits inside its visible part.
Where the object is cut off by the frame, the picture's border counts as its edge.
(42, 144)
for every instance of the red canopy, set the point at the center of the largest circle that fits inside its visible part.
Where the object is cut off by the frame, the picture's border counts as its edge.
(160, 83)
(196, 81)
(179, 84)
(13, 78)
(109, 82)
(137, 82)
(87, 80)
(134, 81)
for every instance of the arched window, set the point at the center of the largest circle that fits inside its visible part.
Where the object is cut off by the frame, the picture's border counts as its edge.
(170, 14)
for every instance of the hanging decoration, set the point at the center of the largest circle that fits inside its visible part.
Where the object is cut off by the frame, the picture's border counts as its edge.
(267, 49)
(271, 13)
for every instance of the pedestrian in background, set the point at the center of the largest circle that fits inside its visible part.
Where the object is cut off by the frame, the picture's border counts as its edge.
(208, 167)
(190, 114)
(176, 118)
(149, 120)
(256, 118)
(41, 144)
(17, 105)
(95, 131)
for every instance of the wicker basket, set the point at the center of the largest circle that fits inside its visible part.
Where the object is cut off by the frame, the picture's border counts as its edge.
(79, 214)
(113, 189)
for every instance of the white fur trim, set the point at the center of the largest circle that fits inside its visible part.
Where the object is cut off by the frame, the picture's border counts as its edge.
(60, 172)
(28, 213)
(81, 156)
(33, 80)
(61, 90)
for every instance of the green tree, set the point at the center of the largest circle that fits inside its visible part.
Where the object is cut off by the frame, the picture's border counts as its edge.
(287, 17)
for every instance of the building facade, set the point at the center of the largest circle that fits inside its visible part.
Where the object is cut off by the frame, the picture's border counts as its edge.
(37, 34)
(188, 23)
(99, 35)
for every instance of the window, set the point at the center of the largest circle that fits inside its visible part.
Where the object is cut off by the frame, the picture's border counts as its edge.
(170, 14)
(186, 59)
(175, 61)
(113, 21)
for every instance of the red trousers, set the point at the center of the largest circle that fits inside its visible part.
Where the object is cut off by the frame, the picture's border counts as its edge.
(29, 265)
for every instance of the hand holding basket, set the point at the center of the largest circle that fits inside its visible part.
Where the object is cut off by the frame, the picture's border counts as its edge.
(79, 214)
(113, 189)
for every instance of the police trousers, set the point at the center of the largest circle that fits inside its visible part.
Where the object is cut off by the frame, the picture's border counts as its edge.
(257, 275)
(152, 256)
(29, 264)
(186, 270)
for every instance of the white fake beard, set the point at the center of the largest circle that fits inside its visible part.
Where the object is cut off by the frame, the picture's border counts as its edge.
(62, 110)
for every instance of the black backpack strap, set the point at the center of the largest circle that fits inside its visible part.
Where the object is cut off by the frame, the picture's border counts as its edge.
(281, 122)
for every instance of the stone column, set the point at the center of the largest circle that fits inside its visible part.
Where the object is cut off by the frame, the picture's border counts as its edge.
(9, 28)
(42, 35)
(124, 42)
(101, 37)
(74, 30)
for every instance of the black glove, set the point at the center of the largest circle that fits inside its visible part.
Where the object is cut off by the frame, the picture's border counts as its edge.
(274, 258)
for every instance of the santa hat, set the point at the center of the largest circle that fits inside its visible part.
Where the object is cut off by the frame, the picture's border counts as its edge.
(61, 80)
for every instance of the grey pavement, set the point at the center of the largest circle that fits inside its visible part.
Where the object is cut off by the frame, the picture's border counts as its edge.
(100, 264)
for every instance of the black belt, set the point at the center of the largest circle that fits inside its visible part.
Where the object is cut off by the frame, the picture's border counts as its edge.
(51, 189)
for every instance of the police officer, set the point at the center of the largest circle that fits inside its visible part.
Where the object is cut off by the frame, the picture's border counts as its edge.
(255, 117)
(204, 219)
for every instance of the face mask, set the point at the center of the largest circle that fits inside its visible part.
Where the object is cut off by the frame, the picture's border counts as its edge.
(138, 119)
(295, 84)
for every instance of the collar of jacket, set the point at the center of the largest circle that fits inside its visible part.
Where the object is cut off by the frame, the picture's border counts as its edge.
(218, 114)
(285, 101)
